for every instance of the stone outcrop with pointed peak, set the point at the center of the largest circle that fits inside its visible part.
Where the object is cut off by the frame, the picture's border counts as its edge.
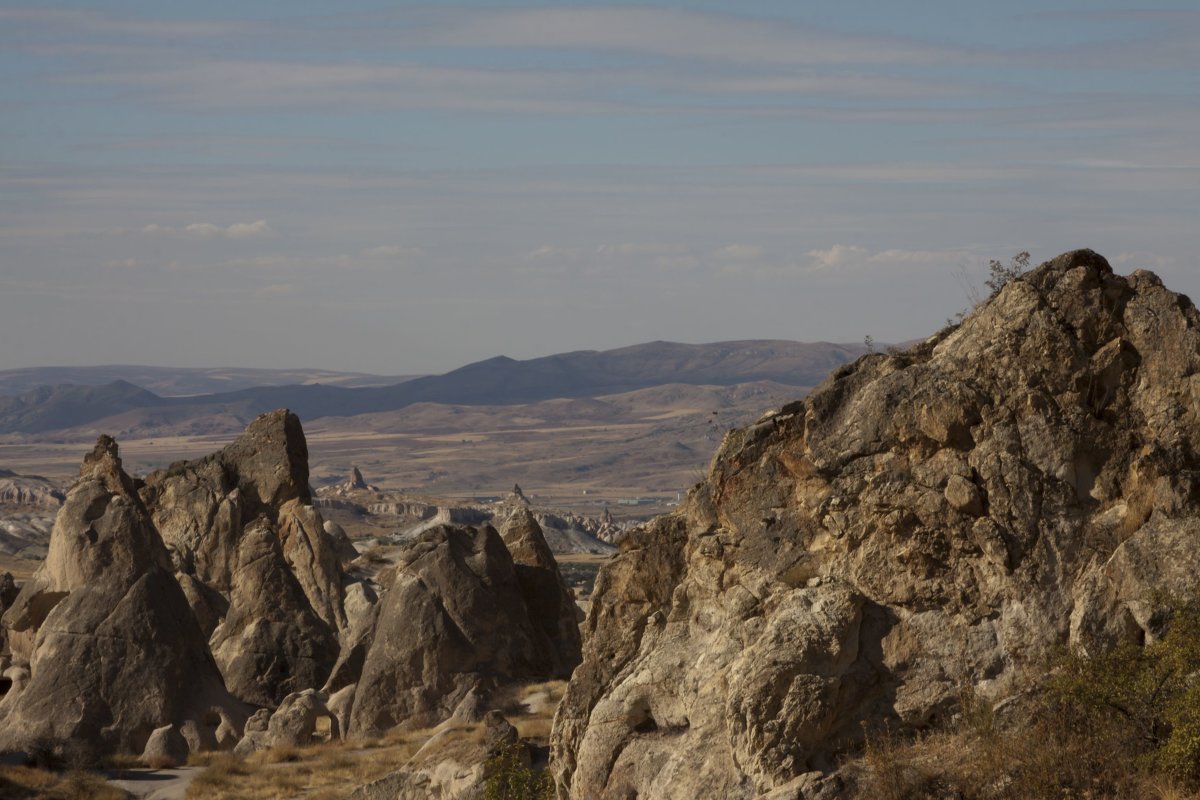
(549, 602)
(113, 650)
(454, 621)
(201, 508)
(258, 567)
(924, 522)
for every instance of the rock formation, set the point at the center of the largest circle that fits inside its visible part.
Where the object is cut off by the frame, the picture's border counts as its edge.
(451, 765)
(550, 604)
(924, 522)
(272, 643)
(113, 650)
(249, 547)
(453, 621)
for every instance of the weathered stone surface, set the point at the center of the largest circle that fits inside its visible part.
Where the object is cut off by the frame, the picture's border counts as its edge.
(301, 719)
(113, 649)
(450, 766)
(165, 747)
(202, 507)
(249, 549)
(272, 643)
(550, 604)
(924, 521)
(453, 620)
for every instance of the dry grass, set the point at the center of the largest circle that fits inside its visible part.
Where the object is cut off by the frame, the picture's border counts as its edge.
(1052, 755)
(331, 771)
(320, 772)
(18, 783)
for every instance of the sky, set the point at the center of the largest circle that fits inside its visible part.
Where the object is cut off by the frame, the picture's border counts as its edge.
(404, 188)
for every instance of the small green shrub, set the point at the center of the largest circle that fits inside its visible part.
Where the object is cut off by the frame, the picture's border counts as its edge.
(1153, 690)
(511, 779)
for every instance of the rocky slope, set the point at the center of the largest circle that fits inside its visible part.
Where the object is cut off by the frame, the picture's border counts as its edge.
(925, 522)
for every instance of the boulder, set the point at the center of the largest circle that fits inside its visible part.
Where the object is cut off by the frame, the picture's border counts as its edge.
(166, 747)
(454, 764)
(925, 521)
(302, 719)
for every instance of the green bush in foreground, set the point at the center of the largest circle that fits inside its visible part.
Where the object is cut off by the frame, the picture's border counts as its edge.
(511, 779)
(1153, 690)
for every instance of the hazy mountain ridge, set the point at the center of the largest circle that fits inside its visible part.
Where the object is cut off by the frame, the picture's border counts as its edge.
(183, 381)
(495, 381)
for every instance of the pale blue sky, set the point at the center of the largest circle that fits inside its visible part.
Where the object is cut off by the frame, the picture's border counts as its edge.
(402, 187)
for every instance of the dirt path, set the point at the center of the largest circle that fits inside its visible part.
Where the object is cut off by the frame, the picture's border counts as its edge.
(154, 784)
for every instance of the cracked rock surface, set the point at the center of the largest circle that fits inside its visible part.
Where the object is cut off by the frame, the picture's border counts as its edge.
(924, 522)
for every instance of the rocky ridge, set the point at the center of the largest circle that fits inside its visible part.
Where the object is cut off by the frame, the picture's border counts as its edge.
(925, 522)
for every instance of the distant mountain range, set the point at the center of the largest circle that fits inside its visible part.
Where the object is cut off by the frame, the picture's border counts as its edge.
(496, 381)
(183, 381)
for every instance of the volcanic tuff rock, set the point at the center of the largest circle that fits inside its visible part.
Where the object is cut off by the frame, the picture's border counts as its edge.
(924, 522)
(451, 765)
(112, 648)
(453, 620)
(271, 643)
(550, 604)
(248, 546)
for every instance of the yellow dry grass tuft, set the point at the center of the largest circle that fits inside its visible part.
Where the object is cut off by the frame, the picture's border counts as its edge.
(19, 783)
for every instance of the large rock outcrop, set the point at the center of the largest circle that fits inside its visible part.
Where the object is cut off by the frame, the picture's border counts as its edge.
(260, 571)
(549, 603)
(454, 621)
(924, 522)
(271, 644)
(113, 650)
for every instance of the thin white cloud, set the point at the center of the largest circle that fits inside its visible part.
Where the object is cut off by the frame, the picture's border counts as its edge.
(206, 230)
(636, 249)
(684, 35)
(203, 230)
(553, 252)
(249, 230)
(741, 252)
(839, 255)
(390, 251)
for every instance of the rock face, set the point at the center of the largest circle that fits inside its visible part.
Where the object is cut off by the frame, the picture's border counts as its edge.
(248, 546)
(271, 643)
(454, 621)
(113, 650)
(923, 522)
(548, 601)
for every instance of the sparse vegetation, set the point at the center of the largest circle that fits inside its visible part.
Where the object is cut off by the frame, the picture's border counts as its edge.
(1000, 275)
(19, 783)
(1125, 724)
(512, 778)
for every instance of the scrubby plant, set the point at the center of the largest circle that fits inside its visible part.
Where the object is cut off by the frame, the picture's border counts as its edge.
(1000, 275)
(511, 778)
(1121, 724)
(1153, 690)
